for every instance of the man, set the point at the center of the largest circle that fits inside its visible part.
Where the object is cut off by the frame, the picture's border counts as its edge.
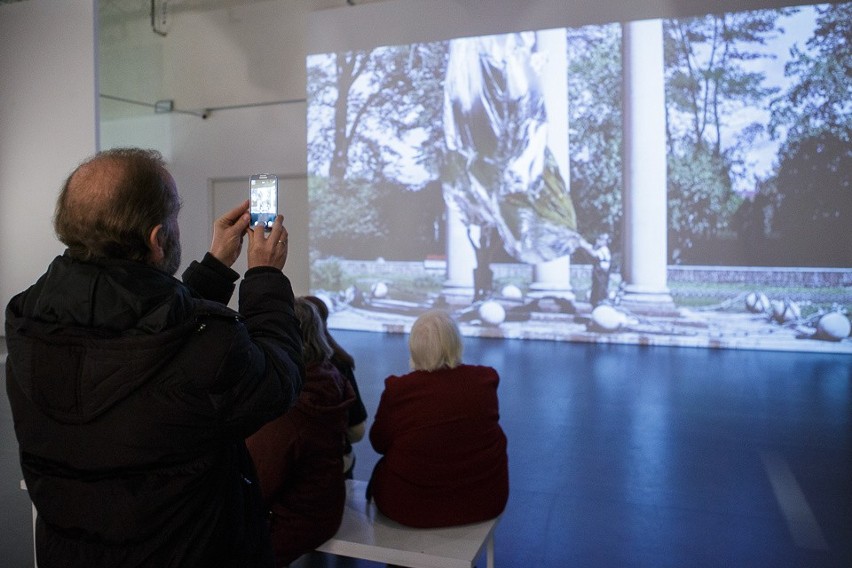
(132, 392)
(600, 272)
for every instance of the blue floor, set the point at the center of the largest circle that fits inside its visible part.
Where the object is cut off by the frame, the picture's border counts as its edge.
(623, 455)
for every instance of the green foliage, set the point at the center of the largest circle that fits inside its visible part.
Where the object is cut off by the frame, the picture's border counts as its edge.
(594, 92)
(427, 282)
(819, 98)
(812, 207)
(343, 211)
(360, 104)
(710, 77)
(364, 100)
(701, 202)
(814, 212)
(327, 274)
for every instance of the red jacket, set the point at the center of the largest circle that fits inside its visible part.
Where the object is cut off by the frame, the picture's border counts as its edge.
(444, 453)
(299, 461)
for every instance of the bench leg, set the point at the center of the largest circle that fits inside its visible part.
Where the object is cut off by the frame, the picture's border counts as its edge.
(35, 561)
(23, 486)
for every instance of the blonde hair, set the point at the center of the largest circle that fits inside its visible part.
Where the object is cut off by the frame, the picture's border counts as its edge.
(435, 342)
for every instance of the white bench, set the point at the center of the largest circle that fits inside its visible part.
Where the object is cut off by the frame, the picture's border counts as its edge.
(367, 534)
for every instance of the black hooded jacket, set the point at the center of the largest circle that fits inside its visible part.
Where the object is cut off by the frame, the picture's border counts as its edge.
(131, 397)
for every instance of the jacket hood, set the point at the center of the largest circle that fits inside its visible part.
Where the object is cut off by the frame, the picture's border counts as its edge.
(325, 391)
(118, 296)
(86, 334)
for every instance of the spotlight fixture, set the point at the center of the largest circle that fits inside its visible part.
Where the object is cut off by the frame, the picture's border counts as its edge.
(166, 105)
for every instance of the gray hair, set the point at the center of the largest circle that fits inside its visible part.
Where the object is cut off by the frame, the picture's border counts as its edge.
(111, 202)
(435, 342)
(315, 347)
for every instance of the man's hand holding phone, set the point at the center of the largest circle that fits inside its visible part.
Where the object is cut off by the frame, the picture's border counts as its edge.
(228, 231)
(268, 248)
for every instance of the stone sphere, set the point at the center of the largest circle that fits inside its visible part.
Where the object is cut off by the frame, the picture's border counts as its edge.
(379, 290)
(757, 302)
(784, 312)
(607, 318)
(833, 326)
(492, 313)
(512, 292)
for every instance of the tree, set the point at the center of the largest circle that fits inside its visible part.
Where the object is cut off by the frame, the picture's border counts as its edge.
(813, 209)
(819, 99)
(594, 95)
(701, 202)
(361, 105)
(708, 79)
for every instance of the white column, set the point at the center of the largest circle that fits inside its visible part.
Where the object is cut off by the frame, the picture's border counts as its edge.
(644, 168)
(553, 278)
(461, 256)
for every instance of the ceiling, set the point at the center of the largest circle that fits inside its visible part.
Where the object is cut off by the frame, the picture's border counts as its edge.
(136, 7)
(124, 8)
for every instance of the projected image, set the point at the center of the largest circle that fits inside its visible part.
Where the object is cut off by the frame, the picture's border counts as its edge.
(677, 182)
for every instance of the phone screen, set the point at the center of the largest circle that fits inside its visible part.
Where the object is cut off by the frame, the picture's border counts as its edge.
(264, 199)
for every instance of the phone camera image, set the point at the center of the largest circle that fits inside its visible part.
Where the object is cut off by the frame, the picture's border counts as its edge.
(264, 200)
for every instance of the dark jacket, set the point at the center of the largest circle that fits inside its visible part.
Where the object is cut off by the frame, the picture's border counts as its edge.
(357, 412)
(299, 460)
(444, 458)
(131, 398)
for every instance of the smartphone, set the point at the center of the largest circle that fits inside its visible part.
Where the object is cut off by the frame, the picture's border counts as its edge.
(264, 199)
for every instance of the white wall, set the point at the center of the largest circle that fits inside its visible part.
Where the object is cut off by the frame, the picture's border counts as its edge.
(231, 144)
(244, 55)
(398, 22)
(47, 125)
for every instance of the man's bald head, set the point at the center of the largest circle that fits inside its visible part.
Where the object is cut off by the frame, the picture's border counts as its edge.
(110, 204)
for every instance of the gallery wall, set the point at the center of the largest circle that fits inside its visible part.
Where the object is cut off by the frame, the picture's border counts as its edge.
(48, 123)
(242, 67)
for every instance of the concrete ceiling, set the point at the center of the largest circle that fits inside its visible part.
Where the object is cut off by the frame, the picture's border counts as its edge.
(133, 8)
(129, 8)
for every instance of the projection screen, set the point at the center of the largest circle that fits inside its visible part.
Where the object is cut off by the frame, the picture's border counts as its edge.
(638, 176)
